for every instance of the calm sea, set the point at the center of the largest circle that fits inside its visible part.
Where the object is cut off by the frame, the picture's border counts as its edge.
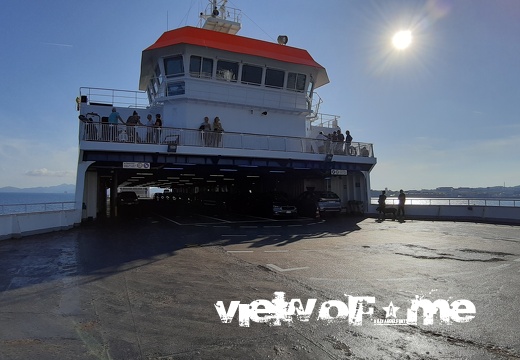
(11, 203)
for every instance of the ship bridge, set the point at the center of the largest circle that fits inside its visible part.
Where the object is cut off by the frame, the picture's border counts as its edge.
(190, 161)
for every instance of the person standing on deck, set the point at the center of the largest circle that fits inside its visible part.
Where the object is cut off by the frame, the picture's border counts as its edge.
(400, 207)
(217, 131)
(348, 142)
(382, 205)
(157, 128)
(113, 120)
(205, 129)
(149, 128)
(133, 121)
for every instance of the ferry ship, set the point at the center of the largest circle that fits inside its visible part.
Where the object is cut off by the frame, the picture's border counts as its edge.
(264, 93)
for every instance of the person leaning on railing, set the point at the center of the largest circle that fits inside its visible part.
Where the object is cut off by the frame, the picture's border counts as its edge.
(132, 121)
(205, 129)
(217, 130)
(113, 120)
(90, 128)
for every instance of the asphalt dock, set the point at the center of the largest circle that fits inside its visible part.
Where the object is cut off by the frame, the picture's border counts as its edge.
(146, 288)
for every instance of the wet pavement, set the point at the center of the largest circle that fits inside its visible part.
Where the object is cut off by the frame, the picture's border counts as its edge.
(146, 288)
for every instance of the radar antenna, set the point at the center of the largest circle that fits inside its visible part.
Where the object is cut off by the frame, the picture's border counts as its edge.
(219, 17)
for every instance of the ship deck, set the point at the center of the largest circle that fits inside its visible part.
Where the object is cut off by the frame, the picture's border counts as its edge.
(145, 288)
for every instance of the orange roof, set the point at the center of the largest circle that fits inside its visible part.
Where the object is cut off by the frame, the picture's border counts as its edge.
(237, 44)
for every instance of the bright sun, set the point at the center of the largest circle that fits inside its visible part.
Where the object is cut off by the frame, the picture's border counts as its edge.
(402, 39)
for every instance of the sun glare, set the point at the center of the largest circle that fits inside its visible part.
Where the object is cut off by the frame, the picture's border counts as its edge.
(402, 39)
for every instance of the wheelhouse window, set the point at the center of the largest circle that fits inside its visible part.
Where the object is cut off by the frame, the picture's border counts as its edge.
(154, 87)
(227, 70)
(173, 66)
(274, 78)
(201, 67)
(158, 76)
(251, 75)
(296, 82)
(175, 88)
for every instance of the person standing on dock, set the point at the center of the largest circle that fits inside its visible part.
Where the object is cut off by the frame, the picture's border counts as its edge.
(400, 207)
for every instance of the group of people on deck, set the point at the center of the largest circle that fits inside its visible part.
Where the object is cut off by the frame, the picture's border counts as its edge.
(211, 134)
(382, 210)
(153, 132)
(336, 143)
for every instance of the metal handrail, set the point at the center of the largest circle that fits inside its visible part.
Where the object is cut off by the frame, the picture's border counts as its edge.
(104, 132)
(114, 97)
(12, 209)
(453, 202)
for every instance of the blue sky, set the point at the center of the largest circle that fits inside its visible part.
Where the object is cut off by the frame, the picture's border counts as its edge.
(444, 112)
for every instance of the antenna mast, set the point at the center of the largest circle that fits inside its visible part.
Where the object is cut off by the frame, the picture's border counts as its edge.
(219, 17)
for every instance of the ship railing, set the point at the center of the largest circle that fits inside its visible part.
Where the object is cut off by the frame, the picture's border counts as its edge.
(95, 131)
(452, 201)
(113, 97)
(325, 120)
(10, 209)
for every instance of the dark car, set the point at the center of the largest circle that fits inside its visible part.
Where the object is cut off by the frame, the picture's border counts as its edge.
(212, 201)
(316, 203)
(273, 203)
(127, 198)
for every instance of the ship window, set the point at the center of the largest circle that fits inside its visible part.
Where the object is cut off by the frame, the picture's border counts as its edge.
(274, 78)
(296, 82)
(153, 86)
(201, 67)
(251, 74)
(175, 88)
(158, 74)
(173, 66)
(227, 70)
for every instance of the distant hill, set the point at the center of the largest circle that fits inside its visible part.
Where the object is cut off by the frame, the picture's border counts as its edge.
(63, 188)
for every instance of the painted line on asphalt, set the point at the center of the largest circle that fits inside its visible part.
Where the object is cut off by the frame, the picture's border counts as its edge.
(276, 251)
(239, 251)
(401, 279)
(331, 279)
(276, 268)
(170, 220)
(214, 218)
(498, 267)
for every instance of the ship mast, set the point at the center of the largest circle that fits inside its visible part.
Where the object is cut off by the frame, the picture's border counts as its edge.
(218, 17)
